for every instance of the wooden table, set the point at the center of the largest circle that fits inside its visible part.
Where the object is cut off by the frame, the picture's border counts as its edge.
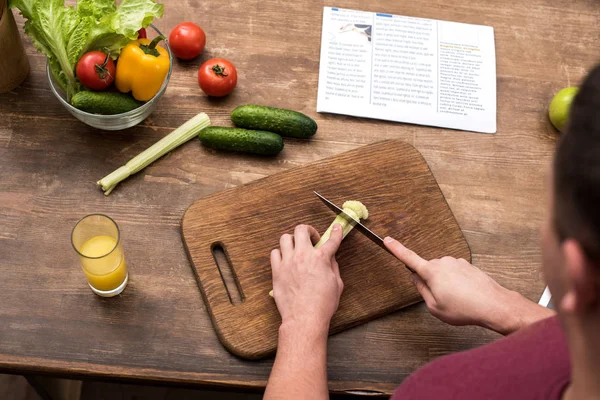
(158, 330)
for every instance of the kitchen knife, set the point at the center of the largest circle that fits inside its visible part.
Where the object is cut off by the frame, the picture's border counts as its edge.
(361, 227)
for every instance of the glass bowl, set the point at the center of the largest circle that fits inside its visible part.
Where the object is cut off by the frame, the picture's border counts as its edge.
(121, 121)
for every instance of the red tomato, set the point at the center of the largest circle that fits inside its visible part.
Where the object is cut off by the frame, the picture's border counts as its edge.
(142, 33)
(187, 40)
(95, 70)
(217, 77)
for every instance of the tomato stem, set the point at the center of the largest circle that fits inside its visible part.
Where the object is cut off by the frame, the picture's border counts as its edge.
(218, 70)
(106, 59)
(101, 70)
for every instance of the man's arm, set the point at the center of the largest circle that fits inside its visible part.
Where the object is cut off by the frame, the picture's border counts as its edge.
(519, 312)
(307, 289)
(300, 370)
(459, 293)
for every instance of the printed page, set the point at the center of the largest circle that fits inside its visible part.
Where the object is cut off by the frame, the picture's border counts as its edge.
(408, 69)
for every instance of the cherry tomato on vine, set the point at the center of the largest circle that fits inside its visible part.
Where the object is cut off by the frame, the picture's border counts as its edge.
(95, 70)
(217, 77)
(187, 40)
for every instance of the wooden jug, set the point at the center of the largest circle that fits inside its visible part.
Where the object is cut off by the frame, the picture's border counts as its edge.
(14, 66)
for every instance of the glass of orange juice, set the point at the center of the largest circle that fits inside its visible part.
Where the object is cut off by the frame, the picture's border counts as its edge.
(97, 241)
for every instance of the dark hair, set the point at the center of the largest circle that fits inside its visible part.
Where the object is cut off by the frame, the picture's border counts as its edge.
(577, 170)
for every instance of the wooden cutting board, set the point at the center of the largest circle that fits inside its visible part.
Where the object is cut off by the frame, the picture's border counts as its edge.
(404, 201)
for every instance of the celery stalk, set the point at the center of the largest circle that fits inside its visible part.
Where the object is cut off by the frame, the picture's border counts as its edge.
(353, 208)
(174, 139)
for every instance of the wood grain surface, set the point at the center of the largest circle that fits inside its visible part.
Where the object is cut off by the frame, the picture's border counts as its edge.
(159, 329)
(404, 201)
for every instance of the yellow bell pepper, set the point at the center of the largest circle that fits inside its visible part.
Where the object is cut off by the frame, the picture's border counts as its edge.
(142, 68)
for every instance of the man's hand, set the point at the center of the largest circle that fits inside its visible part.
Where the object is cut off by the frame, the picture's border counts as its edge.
(459, 293)
(306, 281)
(307, 289)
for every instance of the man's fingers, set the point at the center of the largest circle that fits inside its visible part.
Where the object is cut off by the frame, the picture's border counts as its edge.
(286, 243)
(335, 267)
(275, 267)
(304, 235)
(332, 244)
(314, 235)
(408, 257)
(423, 290)
(275, 261)
(336, 271)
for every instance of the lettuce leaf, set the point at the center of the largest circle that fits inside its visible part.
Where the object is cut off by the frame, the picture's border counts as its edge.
(102, 39)
(118, 28)
(49, 25)
(133, 15)
(65, 33)
(56, 72)
(24, 6)
(96, 8)
(78, 39)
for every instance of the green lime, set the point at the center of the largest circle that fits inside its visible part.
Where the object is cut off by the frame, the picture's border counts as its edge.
(560, 107)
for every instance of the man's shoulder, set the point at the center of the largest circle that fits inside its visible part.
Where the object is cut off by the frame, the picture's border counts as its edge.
(530, 364)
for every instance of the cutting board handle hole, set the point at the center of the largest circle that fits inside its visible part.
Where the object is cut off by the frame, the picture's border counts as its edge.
(230, 281)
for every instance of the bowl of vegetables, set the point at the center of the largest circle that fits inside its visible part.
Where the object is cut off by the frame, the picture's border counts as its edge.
(102, 108)
(101, 66)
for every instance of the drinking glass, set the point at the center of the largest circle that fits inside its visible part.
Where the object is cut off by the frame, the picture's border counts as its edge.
(97, 241)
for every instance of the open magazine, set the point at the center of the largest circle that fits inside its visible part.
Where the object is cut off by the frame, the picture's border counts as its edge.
(408, 69)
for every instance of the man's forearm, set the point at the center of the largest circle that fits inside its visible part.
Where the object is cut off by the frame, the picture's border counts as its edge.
(517, 312)
(300, 369)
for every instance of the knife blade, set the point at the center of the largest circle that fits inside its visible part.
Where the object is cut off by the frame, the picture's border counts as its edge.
(361, 227)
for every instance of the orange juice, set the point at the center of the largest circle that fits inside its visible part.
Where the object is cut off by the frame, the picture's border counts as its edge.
(105, 265)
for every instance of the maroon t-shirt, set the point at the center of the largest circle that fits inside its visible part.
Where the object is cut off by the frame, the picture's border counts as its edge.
(531, 364)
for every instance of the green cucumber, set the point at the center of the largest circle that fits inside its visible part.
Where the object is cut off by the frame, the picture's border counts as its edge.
(107, 103)
(241, 140)
(285, 122)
